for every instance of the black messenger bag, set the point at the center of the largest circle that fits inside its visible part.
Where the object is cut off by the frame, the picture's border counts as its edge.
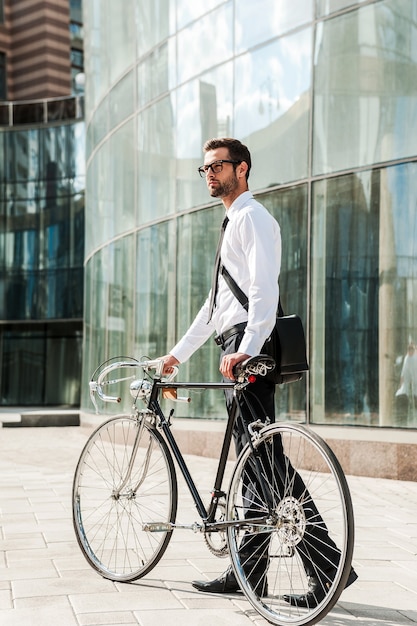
(286, 344)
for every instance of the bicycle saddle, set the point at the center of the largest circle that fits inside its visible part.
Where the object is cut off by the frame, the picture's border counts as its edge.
(258, 365)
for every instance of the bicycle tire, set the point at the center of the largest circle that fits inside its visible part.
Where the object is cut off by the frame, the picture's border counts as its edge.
(109, 526)
(291, 532)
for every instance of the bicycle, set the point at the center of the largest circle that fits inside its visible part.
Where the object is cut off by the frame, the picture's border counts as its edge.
(287, 489)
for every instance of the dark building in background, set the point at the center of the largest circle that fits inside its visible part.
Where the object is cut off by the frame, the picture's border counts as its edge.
(41, 202)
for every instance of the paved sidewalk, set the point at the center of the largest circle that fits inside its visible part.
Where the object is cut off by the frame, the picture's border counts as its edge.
(44, 579)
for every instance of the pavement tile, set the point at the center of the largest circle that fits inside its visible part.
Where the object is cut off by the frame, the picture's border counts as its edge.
(145, 599)
(59, 586)
(39, 601)
(195, 617)
(111, 619)
(25, 542)
(23, 573)
(49, 552)
(43, 616)
(5, 600)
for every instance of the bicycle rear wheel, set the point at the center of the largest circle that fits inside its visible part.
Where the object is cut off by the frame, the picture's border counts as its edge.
(109, 512)
(300, 524)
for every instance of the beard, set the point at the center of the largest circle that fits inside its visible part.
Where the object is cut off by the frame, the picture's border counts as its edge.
(225, 188)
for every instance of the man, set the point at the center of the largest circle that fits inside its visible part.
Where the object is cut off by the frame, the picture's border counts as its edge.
(251, 252)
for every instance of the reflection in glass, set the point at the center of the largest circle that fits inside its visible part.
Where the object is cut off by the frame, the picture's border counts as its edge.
(155, 20)
(151, 291)
(154, 74)
(46, 358)
(95, 314)
(272, 106)
(216, 24)
(122, 179)
(326, 7)
(198, 234)
(120, 296)
(364, 311)
(156, 164)
(289, 207)
(42, 225)
(188, 11)
(121, 100)
(96, 49)
(278, 17)
(120, 37)
(365, 100)
(204, 110)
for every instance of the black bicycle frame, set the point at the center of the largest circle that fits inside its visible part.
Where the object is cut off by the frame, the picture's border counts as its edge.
(208, 516)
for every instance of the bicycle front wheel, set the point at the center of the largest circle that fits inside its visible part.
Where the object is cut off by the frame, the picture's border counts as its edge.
(125, 480)
(295, 516)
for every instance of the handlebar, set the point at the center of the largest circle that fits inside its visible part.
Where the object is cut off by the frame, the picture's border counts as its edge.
(245, 373)
(96, 386)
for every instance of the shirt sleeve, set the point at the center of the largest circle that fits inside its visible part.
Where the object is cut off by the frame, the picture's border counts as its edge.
(196, 335)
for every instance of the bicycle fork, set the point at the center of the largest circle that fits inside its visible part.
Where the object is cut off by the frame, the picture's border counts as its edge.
(117, 492)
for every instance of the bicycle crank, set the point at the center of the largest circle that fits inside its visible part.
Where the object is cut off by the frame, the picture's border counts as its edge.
(166, 527)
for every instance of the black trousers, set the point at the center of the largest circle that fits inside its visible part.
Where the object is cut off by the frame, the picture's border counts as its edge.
(319, 553)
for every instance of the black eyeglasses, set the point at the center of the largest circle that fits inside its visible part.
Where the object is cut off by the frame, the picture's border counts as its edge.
(215, 167)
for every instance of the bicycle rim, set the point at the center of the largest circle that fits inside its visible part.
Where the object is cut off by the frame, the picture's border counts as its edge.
(305, 507)
(109, 524)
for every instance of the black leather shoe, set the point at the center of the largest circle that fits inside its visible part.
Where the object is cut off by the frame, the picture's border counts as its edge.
(227, 583)
(317, 591)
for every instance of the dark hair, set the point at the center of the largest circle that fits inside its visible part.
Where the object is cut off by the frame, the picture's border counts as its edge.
(237, 150)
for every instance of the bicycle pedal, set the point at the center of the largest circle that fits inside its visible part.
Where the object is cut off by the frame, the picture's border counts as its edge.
(157, 527)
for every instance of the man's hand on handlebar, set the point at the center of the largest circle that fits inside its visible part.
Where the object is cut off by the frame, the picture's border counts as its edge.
(229, 361)
(169, 363)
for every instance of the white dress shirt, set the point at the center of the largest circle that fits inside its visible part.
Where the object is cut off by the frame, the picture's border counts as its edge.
(251, 252)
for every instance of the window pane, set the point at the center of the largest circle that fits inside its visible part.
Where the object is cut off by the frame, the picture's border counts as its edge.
(154, 73)
(188, 11)
(40, 365)
(63, 356)
(121, 100)
(95, 314)
(197, 236)
(204, 110)
(120, 37)
(152, 291)
(364, 304)
(121, 185)
(365, 101)
(259, 21)
(272, 108)
(325, 7)
(289, 207)
(156, 181)
(218, 22)
(155, 20)
(119, 323)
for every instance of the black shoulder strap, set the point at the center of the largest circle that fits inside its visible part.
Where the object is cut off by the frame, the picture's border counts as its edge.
(239, 294)
(234, 288)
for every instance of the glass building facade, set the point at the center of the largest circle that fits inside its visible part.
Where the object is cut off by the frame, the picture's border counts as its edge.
(42, 180)
(324, 93)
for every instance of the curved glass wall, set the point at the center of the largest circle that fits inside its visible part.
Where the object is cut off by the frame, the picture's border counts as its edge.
(42, 174)
(323, 94)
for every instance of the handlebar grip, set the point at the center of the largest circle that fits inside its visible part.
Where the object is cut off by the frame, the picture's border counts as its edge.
(96, 388)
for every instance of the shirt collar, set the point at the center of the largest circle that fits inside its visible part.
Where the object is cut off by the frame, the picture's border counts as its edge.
(239, 203)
